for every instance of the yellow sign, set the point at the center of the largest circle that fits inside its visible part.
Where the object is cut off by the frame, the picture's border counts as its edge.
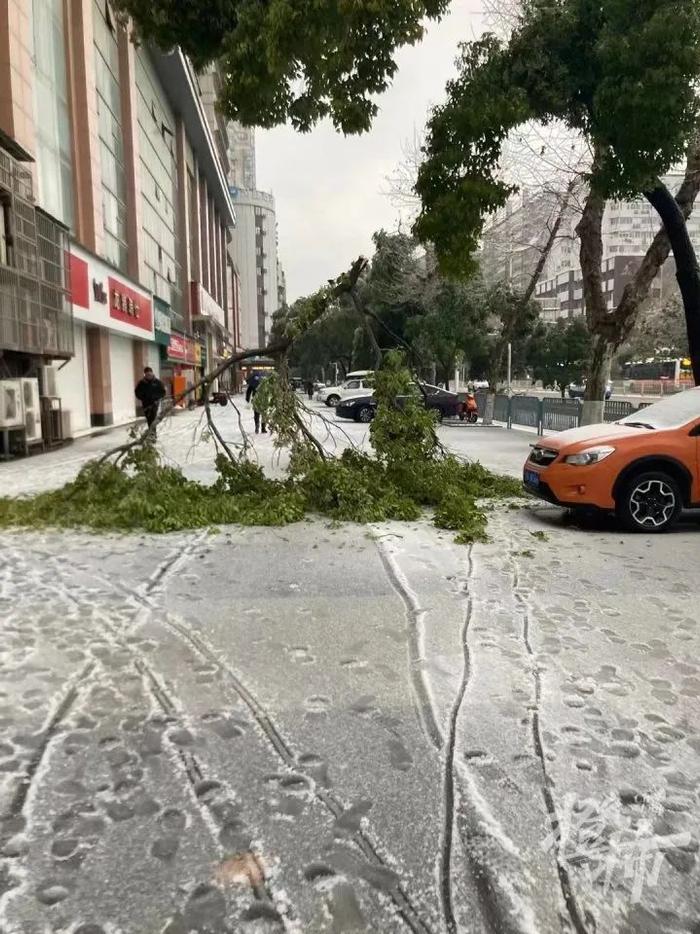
(197, 353)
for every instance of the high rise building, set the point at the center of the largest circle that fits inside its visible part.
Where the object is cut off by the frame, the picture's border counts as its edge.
(241, 151)
(254, 243)
(116, 213)
(513, 240)
(254, 249)
(281, 286)
(515, 236)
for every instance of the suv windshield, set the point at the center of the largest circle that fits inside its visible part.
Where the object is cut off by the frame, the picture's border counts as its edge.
(670, 413)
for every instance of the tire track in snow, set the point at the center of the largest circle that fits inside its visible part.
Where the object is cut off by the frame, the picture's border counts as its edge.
(50, 729)
(415, 617)
(263, 891)
(576, 915)
(449, 777)
(404, 905)
(495, 863)
(283, 749)
(172, 564)
(171, 707)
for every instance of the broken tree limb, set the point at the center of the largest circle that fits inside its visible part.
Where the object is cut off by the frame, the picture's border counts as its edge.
(314, 310)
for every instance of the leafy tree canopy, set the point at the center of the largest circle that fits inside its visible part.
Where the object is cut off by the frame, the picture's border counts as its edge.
(453, 324)
(559, 353)
(623, 73)
(290, 60)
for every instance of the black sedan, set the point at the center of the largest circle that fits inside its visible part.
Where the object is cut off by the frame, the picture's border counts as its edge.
(443, 403)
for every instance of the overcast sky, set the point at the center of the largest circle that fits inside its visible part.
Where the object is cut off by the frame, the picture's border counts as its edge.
(329, 188)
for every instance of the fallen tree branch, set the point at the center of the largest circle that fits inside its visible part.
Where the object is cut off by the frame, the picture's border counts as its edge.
(278, 348)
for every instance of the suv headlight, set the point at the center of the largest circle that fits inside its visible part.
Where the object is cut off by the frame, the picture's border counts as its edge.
(591, 456)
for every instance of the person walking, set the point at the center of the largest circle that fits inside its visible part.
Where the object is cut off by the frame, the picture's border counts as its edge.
(254, 381)
(150, 392)
(309, 386)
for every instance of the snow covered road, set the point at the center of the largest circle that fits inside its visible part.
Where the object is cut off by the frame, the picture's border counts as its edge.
(322, 729)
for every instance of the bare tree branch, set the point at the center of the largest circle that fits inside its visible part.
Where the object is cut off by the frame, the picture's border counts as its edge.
(344, 284)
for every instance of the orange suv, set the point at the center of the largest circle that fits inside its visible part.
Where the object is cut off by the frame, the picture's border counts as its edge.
(645, 468)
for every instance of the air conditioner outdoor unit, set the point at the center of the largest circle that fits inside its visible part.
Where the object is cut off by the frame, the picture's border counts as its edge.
(32, 409)
(66, 424)
(48, 381)
(11, 409)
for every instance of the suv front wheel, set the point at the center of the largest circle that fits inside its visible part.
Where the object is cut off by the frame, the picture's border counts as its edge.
(650, 502)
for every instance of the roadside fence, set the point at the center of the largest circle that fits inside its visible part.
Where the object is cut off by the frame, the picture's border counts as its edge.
(549, 414)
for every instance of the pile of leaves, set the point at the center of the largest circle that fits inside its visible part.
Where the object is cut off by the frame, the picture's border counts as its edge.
(408, 472)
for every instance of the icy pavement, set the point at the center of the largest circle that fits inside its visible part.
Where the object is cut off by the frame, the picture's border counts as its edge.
(318, 729)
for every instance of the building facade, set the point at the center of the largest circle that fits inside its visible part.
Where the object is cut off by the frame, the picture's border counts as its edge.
(513, 239)
(241, 151)
(36, 324)
(515, 236)
(115, 141)
(253, 249)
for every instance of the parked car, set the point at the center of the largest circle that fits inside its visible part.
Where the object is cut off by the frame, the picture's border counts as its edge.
(362, 408)
(480, 384)
(354, 384)
(645, 468)
(578, 390)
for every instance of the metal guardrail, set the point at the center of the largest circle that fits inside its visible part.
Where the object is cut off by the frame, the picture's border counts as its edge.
(549, 414)
(559, 414)
(617, 408)
(526, 410)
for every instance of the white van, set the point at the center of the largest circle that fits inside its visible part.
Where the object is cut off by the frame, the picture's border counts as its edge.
(354, 382)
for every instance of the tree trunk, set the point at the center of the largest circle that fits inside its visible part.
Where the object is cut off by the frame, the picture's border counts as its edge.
(610, 329)
(687, 267)
(600, 322)
(374, 343)
(598, 375)
(369, 331)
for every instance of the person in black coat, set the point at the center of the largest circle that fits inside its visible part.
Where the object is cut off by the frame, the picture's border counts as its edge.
(150, 391)
(254, 381)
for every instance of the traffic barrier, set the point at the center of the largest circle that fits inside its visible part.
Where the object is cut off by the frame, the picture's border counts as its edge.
(549, 414)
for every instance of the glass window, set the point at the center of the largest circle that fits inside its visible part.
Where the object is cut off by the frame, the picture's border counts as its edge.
(158, 189)
(53, 136)
(110, 132)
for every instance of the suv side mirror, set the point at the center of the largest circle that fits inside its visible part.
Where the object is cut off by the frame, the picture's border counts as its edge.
(695, 431)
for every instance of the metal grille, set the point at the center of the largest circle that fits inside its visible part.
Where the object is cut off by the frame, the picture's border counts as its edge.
(24, 236)
(616, 409)
(500, 408)
(560, 414)
(5, 171)
(524, 410)
(35, 312)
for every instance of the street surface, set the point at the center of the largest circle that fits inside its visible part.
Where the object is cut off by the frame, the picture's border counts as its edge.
(347, 728)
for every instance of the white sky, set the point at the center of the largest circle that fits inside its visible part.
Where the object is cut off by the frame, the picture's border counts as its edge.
(329, 188)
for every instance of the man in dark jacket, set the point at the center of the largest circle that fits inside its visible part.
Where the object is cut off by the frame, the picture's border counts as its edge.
(149, 391)
(254, 381)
